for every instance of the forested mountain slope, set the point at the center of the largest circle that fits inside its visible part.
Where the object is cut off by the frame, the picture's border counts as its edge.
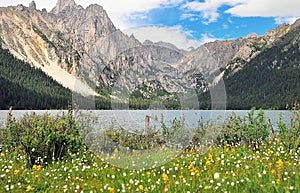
(25, 87)
(271, 79)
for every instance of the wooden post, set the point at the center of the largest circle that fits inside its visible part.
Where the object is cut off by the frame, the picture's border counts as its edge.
(147, 121)
(271, 128)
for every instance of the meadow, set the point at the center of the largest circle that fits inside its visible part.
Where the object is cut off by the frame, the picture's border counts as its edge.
(242, 159)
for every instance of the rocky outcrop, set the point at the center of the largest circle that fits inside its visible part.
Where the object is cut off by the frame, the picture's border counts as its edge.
(165, 52)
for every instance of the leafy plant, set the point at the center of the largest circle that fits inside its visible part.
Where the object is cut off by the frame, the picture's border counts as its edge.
(43, 138)
(290, 137)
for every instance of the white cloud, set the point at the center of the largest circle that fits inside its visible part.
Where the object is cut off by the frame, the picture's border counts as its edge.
(209, 8)
(288, 20)
(206, 38)
(267, 8)
(284, 11)
(175, 35)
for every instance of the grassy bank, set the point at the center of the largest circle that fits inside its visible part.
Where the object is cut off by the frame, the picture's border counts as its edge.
(241, 160)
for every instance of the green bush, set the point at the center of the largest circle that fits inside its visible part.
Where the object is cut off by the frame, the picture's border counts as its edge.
(290, 137)
(250, 129)
(41, 137)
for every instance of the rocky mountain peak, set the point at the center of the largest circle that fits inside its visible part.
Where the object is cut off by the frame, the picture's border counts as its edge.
(252, 36)
(32, 5)
(62, 4)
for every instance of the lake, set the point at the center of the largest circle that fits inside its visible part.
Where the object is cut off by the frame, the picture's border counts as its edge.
(136, 118)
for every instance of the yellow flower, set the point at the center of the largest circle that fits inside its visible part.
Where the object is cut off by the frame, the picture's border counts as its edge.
(29, 188)
(279, 165)
(270, 152)
(148, 174)
(181, 176)
(36, 176)
(141, 187)
(165, 177)
(210, 156)
(191, 166)
(38, 168)
(146, 189)
(273, 172)
(34, 167)
(111, 190)
(208, 163)
(278, 181)
(16, 172)
(167, 187)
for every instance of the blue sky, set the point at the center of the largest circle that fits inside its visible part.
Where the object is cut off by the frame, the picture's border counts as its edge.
(188, 23)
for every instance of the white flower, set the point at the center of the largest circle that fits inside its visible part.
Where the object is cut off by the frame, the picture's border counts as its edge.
(33, 149)
(216, 176)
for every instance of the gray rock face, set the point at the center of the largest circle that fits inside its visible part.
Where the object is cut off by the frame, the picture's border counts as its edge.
(165, 52)
(32, 5)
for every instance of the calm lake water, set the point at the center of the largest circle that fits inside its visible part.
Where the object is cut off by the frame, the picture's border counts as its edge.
(136, 118)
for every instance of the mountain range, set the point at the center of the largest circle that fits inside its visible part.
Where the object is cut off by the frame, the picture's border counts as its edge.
(81, 49)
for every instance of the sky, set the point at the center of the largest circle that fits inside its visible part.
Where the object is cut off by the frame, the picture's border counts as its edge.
(190, 23)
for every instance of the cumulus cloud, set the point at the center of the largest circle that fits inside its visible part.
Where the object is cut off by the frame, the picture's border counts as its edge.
(282, 11)
(176, 35)
(288, 20)
(209, 8)
(267, 8)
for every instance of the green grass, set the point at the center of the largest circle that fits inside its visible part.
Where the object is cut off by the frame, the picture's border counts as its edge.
(270, 168)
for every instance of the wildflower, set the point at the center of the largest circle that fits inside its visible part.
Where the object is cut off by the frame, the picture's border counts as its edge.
(112, 190)
(210, 156)
(216, 176)
(279, 165)
(264, 172)
(208, 163)
(16, 172)
(165, 177)
(167, 187)
(36, 167)
(191, 166)
(273, 172)
(278, 181)
(141, 187)
(146, 189)
(29, 188)
(148, 174)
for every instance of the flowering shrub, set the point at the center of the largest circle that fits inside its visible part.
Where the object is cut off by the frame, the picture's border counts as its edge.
(41, 137)
(250, 129)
